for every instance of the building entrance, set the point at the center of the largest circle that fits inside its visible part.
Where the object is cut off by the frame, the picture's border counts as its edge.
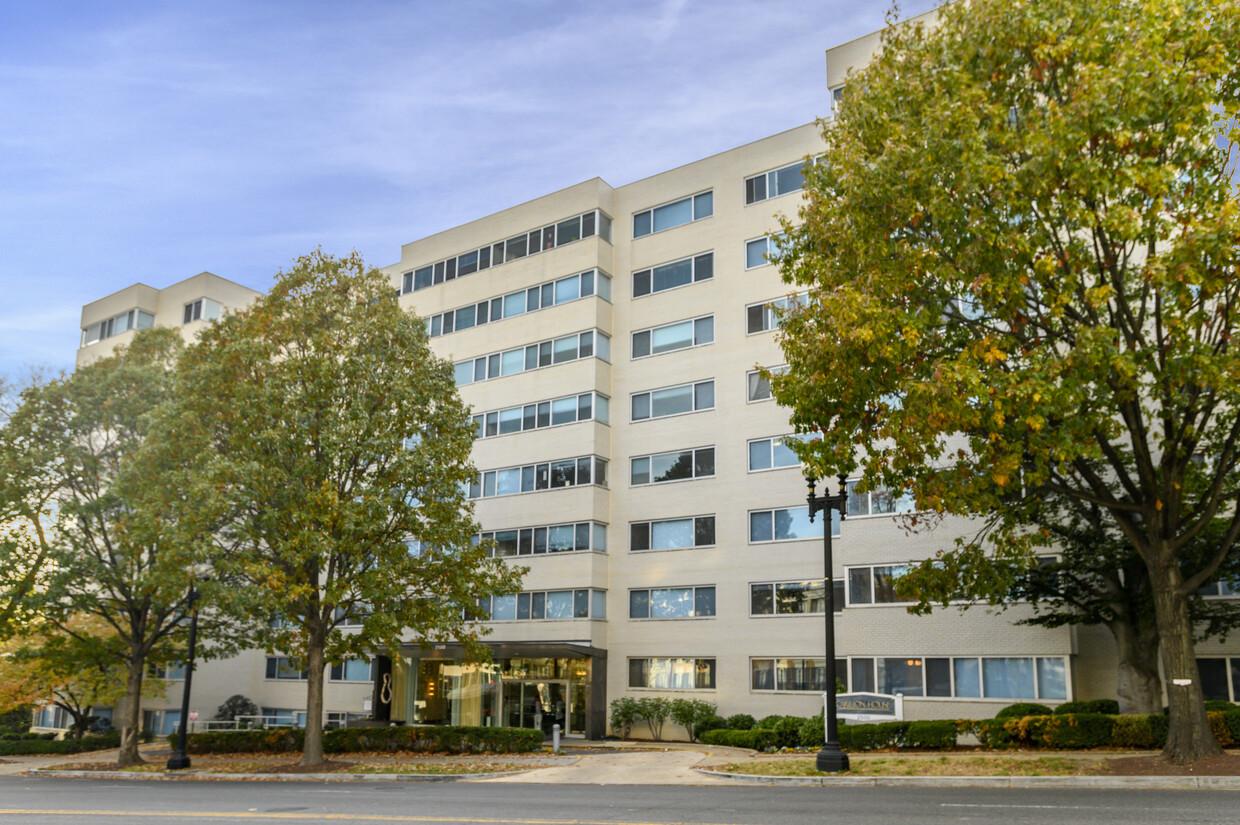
(537, 705)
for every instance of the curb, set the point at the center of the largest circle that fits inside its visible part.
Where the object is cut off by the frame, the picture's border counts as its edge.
(1174, 782)
(192, 776)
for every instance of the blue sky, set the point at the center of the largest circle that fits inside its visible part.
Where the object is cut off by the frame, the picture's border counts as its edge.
(144, 141)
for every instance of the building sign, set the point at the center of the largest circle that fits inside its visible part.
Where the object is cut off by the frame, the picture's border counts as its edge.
(193, 716)
(868, 707)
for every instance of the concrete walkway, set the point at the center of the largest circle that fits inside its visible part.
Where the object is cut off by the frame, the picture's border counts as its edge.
(672, 766)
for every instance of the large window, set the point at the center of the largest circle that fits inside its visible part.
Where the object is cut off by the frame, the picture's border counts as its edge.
(877, 502)
(788, 524)
(1220, 678)
(792, 674)
(672, 603)
(588, 406)
(677, 273)
(133, 319)
(676, 466)
(671, 337)
(757, 388)
(673, 214)
(963, 677)
(1222, 587)
(581, 285)
(794, 598)
(774, 183)
(353, 670)
(527, 243)
(546, 605)
(282, 667)
(875, 585)
(684, 398)
(550, 475)
(590, 343)
(773, 453)
(761, 251)
(765, 316)
(672, 674)
(580, 536)
(204, 309)
(672, 534)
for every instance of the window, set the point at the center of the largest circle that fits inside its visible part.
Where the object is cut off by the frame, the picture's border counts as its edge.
(282, 667)
(792, 674)
(1215, 683)
(353, 670)
(677, 273)
(172, 671)
(877, 502)
(774, 183)
(761, 251)
(534, 356)
(204, 309)
(594, 222)
(787, 524)
(875, 585)
(672, 534)
(971, 677)
(133, 319)
(677, 466)
(671, 337)
(758, 388)
(774, 453)
(581, 285)
(793, 598)
(765, 316)
(672, 603)
(1222, 587)
(546, 605)
(673, 214)
(554, 538)
(672, 674)
(684, 398)
(588, 406)
(568, 472)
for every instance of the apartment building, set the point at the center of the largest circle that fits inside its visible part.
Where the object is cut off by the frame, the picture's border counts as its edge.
(629, 454)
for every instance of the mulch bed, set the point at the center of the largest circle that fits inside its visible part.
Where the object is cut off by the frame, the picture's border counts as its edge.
(1225, 765)
(328, 766)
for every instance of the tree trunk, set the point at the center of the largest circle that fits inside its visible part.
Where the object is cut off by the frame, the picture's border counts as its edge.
(1138, 683)
(1190, 737)
(312, 751)
(133, 713)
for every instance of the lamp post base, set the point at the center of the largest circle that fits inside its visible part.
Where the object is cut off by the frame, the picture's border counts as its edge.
(831, 759)
(179, 762)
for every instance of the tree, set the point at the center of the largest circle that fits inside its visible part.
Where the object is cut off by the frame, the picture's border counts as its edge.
(234, 706)
(1021, 254)
(116, 556)
(335, 449)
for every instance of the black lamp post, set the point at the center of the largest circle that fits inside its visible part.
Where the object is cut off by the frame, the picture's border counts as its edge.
(179, 761)
(830, 759)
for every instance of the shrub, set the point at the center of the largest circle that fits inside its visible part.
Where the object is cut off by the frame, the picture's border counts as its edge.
(624, 714)
(420, 738)
(1023, 709)
(872, 737)
(714, 722)
(690, 714)
(16, 747)
(768, 722)
(787, 731)
(812, 732)
(1232, 719)
(655, 710)
(996, 734)
(933, 734)
(755, 739)
(1067, 730)
(1108, 706)
(1132, 731)
(740, 721)
(1218, 725)
(234, 706)
(15, 720)
(1219, 705)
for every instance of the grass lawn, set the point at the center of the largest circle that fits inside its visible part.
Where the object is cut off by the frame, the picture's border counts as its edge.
(929, 766)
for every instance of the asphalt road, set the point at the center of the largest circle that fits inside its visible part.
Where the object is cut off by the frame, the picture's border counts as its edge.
(43, 801)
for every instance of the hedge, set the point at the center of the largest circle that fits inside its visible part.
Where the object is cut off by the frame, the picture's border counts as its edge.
(1023, 709)
(932, 735)
(755, 739)
(1067, 730)
(872, 737)
(19, 747)
(1107, 706)
(431, 739)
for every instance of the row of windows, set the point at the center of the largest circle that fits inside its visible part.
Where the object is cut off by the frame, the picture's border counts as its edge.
(561, 291)
(527, 243)
(588, 406)
(546, 605)
(522, 359)
(796, 598)
(677, 213)
(672, 603)
(675, 274)
(683, 398)
(350, 670)
(675, 336)
(133, 319)
(673, 466)
(774, 183)
(963, 677)
(672, 534)
(549, 475)
(672, 673)
(554, 538)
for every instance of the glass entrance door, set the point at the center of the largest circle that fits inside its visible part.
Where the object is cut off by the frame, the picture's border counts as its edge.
(536, 705)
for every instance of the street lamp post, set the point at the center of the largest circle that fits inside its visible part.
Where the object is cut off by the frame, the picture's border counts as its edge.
(179, 761)
(830, 759)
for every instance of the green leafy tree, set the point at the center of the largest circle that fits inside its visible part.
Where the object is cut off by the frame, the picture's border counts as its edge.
(116, 559)
(234, 706)
(331, 437)
(1021, 252)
